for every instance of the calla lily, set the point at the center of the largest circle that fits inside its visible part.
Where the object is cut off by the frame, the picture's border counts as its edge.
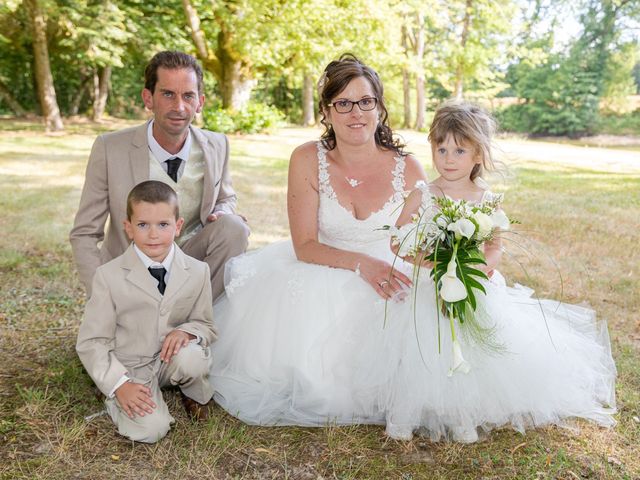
(485, 224)
(500, 220)
(462, 228)
(452, 289)
(458, 364)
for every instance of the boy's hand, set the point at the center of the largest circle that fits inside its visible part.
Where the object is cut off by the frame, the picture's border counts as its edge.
(135, 399)
(173, 343)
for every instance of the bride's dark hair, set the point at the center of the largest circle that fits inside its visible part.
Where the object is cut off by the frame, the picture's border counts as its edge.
(334, 80)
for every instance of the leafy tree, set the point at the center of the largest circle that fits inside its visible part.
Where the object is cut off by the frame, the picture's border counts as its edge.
(93, 38)
(562, 91)
(619, 81)
(420, 27)
(16, 80)
(477, 35)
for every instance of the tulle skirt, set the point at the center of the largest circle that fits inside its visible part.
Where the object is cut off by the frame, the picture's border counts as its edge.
(302, 344)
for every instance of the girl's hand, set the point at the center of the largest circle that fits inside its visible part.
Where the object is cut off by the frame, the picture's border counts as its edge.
(383, 278)
(420, 260)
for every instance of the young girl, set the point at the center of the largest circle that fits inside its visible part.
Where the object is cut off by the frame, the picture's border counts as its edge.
(545, 362)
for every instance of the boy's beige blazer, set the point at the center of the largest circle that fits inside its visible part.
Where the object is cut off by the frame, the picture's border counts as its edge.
(126, 318)
(118, 162)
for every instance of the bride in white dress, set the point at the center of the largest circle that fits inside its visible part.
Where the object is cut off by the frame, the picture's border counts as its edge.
(292, 320)
(307, 337)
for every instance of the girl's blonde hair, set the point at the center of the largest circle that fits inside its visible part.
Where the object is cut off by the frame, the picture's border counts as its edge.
(468, 123)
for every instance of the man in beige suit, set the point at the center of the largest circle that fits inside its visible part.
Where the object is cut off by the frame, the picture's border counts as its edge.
(168, 148)
(148, 323)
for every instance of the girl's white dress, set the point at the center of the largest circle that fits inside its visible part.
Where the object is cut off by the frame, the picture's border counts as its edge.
(304, 344)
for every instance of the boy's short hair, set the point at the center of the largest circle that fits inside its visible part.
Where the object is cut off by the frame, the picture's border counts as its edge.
(152, 191)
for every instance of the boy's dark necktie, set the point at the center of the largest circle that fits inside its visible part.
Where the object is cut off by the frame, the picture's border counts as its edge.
(158, 273)
(173, 165)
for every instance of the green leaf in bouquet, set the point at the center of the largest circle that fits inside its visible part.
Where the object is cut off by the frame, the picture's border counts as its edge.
(472, 284)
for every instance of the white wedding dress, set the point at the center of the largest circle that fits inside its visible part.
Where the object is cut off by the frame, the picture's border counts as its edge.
(304, 344)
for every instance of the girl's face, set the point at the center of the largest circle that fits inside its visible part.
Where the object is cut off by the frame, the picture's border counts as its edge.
(455, 161)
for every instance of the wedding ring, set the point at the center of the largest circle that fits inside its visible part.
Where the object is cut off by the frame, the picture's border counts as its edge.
(383, 283)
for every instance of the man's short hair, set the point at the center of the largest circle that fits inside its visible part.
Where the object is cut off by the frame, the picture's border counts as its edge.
(152, 191)
(171, 60)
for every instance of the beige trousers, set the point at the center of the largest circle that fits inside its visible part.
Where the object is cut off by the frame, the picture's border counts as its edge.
(216, 243)
(189, 370)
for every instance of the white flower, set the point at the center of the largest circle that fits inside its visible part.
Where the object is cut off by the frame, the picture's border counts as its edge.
(452, 289)
(405, 238)
(462, 228)
(500, 220)
(485, 224)
(441, 221)
(458, 364)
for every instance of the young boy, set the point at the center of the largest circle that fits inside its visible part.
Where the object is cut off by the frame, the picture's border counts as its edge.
(149, 321)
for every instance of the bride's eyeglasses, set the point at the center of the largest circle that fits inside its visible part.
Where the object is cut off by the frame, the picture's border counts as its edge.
(345, 106)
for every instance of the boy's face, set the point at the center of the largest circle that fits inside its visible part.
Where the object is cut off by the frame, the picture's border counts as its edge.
(152, 228)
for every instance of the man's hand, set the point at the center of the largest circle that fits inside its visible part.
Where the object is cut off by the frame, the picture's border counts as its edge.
(215, 216)
(173, 343)
(135, 399)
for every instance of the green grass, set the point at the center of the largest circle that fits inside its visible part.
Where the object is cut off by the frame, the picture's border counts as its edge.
(579, 216)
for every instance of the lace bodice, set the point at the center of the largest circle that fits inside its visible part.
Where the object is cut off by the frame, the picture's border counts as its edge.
(338, 227)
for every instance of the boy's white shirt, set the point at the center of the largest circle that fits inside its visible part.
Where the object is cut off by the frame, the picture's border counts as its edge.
(148, 263)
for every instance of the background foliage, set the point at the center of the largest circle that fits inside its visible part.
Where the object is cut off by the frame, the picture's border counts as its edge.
(564, 63)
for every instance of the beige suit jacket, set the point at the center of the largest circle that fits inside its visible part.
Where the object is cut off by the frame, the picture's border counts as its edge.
(118, 162)
(126, 318)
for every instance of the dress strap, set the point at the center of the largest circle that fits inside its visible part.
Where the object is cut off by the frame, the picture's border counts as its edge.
(323, 172)
(398, 181)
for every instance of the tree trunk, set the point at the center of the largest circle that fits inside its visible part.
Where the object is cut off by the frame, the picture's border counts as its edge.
(406, 92)
(208, 59)
(308, 115)
(44, 79)
(74, 108)
(235, 86)
(101, 91)
(406, 85)
(420, 101)
(459, 83)
(11, 102)
(419, 46)
(231, 70)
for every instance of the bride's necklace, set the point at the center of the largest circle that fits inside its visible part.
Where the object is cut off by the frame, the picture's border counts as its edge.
(353, 182)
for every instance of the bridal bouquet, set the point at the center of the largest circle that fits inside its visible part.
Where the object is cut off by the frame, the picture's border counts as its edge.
(448, 238)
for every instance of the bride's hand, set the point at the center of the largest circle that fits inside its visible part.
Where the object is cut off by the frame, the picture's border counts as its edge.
(385, 280)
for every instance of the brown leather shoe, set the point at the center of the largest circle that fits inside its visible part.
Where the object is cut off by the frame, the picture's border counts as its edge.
(196, 411)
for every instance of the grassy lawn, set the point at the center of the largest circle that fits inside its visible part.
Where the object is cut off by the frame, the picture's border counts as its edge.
(579, 209)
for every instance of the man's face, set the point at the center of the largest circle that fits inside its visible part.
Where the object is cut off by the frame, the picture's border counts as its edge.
(174, 103)
(152, 228)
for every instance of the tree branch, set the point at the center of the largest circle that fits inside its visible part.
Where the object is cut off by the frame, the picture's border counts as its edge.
(11, 102)
(207, 57)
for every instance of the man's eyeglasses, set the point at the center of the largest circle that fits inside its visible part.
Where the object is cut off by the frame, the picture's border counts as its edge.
(345, 106)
